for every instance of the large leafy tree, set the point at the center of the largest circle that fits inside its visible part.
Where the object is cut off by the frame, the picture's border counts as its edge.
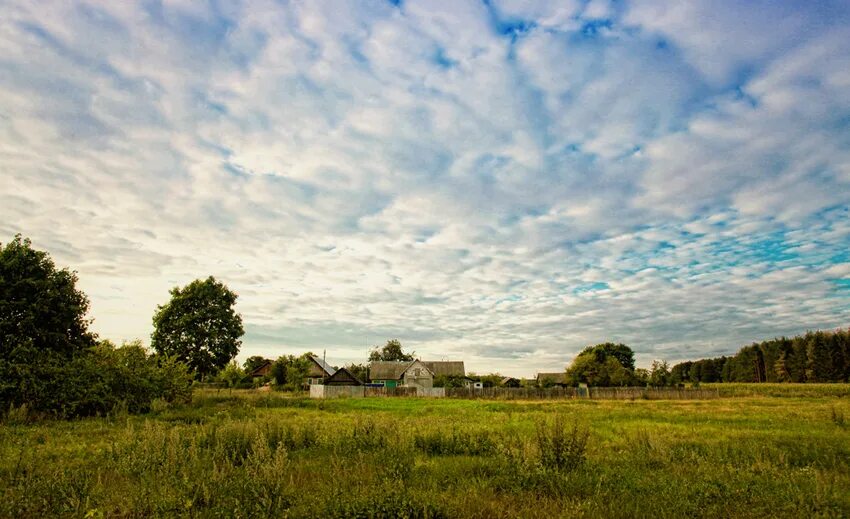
(199, 326)
(624, 355)
(43, 326)
(606, 364)
(41, 309)
(390, 351)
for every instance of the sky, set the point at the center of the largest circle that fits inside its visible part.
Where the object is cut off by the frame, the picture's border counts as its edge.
(498, 182)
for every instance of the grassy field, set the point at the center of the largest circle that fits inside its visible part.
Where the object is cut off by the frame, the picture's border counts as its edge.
(254, 454)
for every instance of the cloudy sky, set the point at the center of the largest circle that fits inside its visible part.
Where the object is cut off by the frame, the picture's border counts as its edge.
(500, 182)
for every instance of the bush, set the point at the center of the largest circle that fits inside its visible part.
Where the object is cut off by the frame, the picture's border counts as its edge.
(103, 379)
(561, 448)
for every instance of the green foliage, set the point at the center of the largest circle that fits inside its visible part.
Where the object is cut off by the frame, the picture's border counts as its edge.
(49, 362)
(813, 357)
(289, 371)
(231, 375)
(253, 362)
(624, 355)
(449, 381)
(391, 351)
(199, 326)
(561, 448)
(42, 325)
(455, 442)
(41, 311)
(605, 364)
(659, 374)
(251, 454)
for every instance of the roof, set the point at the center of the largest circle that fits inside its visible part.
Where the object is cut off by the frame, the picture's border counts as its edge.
(324, 365)
(258, 370)
(559, 377)
(343, 376)
(449, 368)
(391, 370)
(388, 369)
(508, 379)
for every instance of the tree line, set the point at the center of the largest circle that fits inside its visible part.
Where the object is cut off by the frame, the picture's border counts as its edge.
(820, 356)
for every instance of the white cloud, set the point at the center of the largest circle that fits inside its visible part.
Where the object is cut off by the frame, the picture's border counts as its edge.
(504, 185)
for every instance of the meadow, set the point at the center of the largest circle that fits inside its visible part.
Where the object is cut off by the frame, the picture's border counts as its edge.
(756, 452)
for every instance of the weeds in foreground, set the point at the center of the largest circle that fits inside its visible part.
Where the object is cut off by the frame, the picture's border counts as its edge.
(448, 459)
(561, 447)
(838, 417)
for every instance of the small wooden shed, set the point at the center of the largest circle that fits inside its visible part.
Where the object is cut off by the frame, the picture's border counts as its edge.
(509, 382)
(343, 377)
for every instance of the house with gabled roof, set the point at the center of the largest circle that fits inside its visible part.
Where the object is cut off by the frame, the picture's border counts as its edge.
(412, 373)
(318, 371)
(447, 368)
(263, 370)
(343, 377)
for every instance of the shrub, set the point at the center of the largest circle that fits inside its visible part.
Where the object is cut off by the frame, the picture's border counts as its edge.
(559, 447)
(102, 379)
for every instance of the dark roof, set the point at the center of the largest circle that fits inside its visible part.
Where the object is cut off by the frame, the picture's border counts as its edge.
(324, 365)
(261, 369)
(449, 368)
(388, 370)
(558, 377)
(343, 377)
(391, 370)
(508, 379)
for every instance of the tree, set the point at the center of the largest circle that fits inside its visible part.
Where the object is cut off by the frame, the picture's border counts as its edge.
(41, 309)
(43, 326)
(603, 365)
(390, 352)
(659, 374)
(254, 362)
(231, 375)
(199, 326)
(819, 366)
(780, 368)
(290, 371)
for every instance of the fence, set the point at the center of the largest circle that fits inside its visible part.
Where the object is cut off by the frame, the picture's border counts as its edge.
(595, 393)
(390, 391)
(521, 393)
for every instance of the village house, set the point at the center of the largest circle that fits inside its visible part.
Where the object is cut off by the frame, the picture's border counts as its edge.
(401, 373)
(509, 382)
(263, 370)
(318, 371)
(343, 377)
(453, 369)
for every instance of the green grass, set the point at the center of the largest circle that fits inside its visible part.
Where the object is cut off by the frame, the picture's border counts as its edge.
(250, 454)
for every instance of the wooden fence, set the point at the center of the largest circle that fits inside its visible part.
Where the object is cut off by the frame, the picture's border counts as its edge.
(390, 391)
(596, 393)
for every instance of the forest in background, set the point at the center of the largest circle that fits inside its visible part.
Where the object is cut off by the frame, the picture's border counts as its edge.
(822, 356)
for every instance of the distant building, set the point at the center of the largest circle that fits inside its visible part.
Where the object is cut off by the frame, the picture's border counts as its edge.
(509, 382)
(401, 373)
(451, 369)
(343, 377)
(558, 379)
(318, 371)
(446, 368)
(263, 370)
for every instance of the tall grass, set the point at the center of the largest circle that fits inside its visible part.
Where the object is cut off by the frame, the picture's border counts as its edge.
(250, 456)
